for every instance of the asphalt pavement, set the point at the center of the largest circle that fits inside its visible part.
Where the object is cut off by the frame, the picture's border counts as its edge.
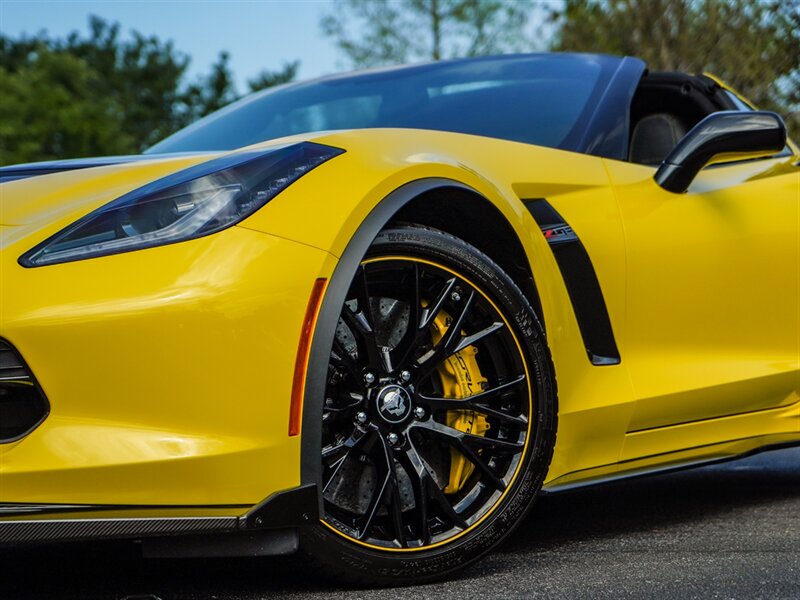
(727, 531)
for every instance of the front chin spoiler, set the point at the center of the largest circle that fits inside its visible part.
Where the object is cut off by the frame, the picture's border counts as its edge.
(267, 528)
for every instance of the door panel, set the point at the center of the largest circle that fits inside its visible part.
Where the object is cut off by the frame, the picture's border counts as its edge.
(713, 280)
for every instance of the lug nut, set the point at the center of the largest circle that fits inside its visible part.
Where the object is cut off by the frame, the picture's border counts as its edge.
(392, 438)
(419, 412)
(369, 378)
(361, 417)
(455, 296)
(405, 375)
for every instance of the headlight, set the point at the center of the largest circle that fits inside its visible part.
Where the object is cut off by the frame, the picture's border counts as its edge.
(192, 203)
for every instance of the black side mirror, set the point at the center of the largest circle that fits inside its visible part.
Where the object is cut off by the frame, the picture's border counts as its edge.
(730, 132)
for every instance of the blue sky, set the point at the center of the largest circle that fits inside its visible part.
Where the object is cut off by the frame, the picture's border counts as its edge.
(258, 34)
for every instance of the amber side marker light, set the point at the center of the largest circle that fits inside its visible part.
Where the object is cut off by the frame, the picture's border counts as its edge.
(303, 351)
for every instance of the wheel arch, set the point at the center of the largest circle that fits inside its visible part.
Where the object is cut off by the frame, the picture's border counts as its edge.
(494, 236)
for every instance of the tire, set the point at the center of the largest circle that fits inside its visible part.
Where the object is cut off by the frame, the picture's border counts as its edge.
(383, 386)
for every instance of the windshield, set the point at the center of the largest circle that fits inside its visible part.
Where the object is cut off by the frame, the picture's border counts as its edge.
(537, 99)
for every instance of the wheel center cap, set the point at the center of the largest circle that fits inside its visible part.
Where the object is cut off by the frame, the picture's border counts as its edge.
(394, 404)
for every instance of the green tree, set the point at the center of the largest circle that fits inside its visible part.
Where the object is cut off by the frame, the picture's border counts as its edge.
(101, 93)
(141, 75)
(268, 79)
(210, 92)
(792, 83)
(380, 32)
(754, 45)
(217, 89)
(50, 109)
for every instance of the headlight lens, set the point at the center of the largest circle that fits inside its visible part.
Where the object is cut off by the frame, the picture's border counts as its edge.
(192, 203)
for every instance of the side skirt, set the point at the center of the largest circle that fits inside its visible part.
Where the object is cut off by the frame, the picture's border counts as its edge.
(556, 488)
(42, 530)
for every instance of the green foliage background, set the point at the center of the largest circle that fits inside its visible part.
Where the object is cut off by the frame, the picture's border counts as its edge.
(753, 45)
(102, 93)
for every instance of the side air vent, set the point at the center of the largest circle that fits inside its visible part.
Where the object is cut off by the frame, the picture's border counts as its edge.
(581, 282)
(22, 404)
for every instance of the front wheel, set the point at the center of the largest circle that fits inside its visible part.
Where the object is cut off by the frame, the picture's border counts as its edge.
(439, 415)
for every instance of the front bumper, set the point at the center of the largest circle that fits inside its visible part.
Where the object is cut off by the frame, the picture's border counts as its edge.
(168, 372)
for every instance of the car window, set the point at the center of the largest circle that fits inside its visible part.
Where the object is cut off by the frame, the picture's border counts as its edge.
(536, 99)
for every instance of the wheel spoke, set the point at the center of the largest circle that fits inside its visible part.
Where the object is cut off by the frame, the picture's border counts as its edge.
(340, 357)
(469, 340)
(353, 399)
(429, 313)
(341, 411)
(457, 436)
(360, 323)
(449, 342)
(413, 334)
(466, 404)
(414, 315)
(362, 296)
(450, 338)
(383, 472)
(444, 504)
(385, 354)
(353, 442)
(428, 488)
(396, 508)
(467, 444)
(416, 472)
(484, 468)
(365, 337)
(477, 402)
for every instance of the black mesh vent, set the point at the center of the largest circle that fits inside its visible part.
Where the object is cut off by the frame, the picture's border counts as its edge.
(22, 404)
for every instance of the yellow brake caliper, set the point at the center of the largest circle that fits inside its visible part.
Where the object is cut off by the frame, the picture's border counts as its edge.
(461, 377)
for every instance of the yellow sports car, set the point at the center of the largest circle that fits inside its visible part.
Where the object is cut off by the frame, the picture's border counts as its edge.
(374, 315)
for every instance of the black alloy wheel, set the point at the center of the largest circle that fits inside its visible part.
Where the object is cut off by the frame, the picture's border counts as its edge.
(439, 413)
